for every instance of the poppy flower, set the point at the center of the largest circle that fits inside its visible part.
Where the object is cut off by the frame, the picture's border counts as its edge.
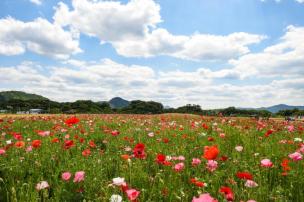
(2, 151)
(86, 152)
(71, 121)
(296, 156)
(211, 152)
(42, 185)
(132, 194)
(196, 162)
(19, 144)
(68, 144)
(139, 151)
(266, 163)
(211, 165)
(227, 191)
(160, 158)
(66, 176)
(79, 176)
(179, 167)
(36, 143)
(244, 175)
(204, 198)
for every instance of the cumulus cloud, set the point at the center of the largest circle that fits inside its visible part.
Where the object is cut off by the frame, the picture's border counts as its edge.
(132, 30)
(39, 36)
(284, 59)
(106, 79)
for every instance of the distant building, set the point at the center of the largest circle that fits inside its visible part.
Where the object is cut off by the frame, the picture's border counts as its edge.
(3, 111)
(36, 111)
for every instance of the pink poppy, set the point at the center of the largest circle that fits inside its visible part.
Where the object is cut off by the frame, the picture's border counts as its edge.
(196, 162)
(66, 176)
(179, 167)
(239, 148)
(42, 185)
(2, 151)
(211, 165)
(266, 163)
(204, 198)
(132, 194)
(79, 176)
(251, 184)
(296, 156)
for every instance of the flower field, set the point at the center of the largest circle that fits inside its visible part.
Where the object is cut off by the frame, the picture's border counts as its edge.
(169, 157)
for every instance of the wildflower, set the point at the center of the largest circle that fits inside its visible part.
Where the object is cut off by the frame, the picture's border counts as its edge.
(66, 176)
(211, 165)
(86, 152)
(204, 198)
(244, 175)
(239, 148)
(42, 185)
(116, 198)
(296, 156)
(118, 181)
(19, 144)
(160, 158)
(210, 153)
(250, 183)
(36, 143)
(79, 176)
(179, 167)
(2, 151)
(132, 194)
(222, 135)
(43, 133)
(29, 149)
(71, 121)
(266, 163)
(115, 133)
(196, 162)
(139, 151)
(290, 128)
(227, 191)
(151, 134)
(68, 144)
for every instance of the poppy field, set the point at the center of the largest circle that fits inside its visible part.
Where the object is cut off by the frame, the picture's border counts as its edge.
(170, 157)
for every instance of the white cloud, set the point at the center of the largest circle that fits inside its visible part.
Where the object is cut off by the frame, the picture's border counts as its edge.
(132, 30)
(284, 59)
(107, 79)
(194, 47)
(37, 2)
(38, 36)
(110, 20)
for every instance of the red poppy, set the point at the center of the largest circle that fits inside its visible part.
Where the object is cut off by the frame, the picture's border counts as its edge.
(210, 153)
(244, 175)
(269, 132)
(227, 191)
(55, 140)
(19, 144)
(92, 144)
(205, 126)
(17, 136)
(160, 158)
(86, 152)
(36, 143)
(71, 121)
(115, 133)
(139, 151)
(68, 144)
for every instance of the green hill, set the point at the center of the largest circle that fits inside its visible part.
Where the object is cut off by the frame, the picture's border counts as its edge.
(19, 95)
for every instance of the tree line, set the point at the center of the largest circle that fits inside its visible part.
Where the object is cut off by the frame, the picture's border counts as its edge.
(134, 107)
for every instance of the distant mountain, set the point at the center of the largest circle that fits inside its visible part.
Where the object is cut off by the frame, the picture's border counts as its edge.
(118, 103)
(19, 95)
(276, 108)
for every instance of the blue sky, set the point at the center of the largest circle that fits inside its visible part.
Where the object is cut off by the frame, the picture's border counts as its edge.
(212, 52)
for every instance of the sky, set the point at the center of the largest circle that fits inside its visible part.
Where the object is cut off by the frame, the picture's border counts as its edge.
(215, 53)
